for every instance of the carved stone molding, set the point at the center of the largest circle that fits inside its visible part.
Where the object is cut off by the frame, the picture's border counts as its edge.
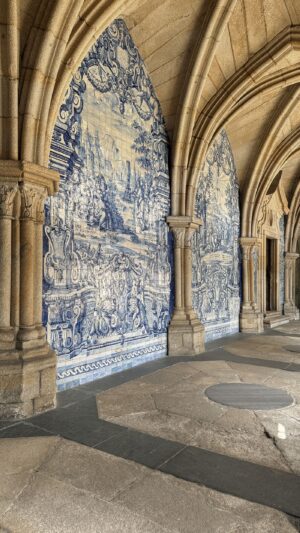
(24, 172)
(7, 194)
(40, 201)
(189, 232)
(290, 258)
(28, 198)
(249, 246)
(32, 202)
(183, 228)
(179, 237)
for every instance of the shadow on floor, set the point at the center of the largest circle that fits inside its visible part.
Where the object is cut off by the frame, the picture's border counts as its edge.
(76, 418)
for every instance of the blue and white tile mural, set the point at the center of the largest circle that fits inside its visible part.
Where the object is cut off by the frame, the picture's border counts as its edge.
(216, 261)
(107, 252)
(281, 260)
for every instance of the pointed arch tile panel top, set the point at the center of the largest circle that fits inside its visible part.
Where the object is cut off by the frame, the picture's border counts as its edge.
(216, 259)
(107, 253)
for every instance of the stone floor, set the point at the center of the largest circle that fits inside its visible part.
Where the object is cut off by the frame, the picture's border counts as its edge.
(171, 403)
(146, 450)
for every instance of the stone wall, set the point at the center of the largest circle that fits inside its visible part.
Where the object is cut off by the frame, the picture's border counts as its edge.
(216, 262)
(107, 253)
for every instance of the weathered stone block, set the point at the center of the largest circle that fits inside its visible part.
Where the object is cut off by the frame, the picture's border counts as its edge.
(48, 381)
(186, 338)
(43, 403)
(251, 322)
(31, 385)
(28, 383)
(16, 410)
(10, 387)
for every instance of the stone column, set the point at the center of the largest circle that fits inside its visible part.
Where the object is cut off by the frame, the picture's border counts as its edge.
(38, 290)
(251, 319)
(290, 308)
(28, 365)
(185, 333)
(31, 333)
(188, 263)
(7, 195)
(179, 234)
(247, 281)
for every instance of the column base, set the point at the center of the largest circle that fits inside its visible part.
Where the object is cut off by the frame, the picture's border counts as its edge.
(31, 338)
(291, 312)
(251, 321)
(27, 382)
(185, 335)
(273, 319)
(7, 339)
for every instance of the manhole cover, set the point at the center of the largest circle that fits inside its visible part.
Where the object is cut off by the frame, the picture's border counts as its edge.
(249, 396)
(292, 348)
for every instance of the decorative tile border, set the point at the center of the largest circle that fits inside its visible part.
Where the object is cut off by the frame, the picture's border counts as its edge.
(71, 376)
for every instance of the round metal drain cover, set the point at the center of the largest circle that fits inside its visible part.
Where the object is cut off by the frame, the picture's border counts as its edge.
(292, 348)
(249, 396)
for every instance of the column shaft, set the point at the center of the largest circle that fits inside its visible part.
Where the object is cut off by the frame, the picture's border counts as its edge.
(246, 299)
(7, 198)
(27, 238)
(31, 257)
(28, 364)
(188, 295)
(251, 319)
(38, 289)
(286, 282)
(185, 332)
(15, 275)
(178, 278)
(5, 271)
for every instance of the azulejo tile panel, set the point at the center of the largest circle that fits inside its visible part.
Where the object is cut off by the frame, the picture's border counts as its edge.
(107, 248)
(216, 257)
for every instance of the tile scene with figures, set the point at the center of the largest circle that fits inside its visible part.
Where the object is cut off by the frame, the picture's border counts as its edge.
(108, 262)
(216, 256)
(107, 247)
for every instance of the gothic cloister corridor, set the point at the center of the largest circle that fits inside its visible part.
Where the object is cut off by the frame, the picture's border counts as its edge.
(158, 455)
(149, 266)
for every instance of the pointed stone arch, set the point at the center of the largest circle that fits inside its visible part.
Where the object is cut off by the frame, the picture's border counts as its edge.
(254, 174)
(58, 41)
(234, 94)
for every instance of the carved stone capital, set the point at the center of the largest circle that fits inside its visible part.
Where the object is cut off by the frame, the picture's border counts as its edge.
(7, 195)
(40, 202)
(249, 247)
(183, 228)
(291, 258)
(179, 237)
(32, 202)
(189, 232)
(29, 173)
(28, 200)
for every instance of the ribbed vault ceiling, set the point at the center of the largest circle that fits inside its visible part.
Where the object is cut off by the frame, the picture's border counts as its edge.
(222, 63)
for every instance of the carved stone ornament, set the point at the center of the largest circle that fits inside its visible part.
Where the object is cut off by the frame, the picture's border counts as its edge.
(263, 213)
(179, 236)
(253, 251)
(40, 201)
(247, 251)
(28, 201)
(7, 194)
(189, 232)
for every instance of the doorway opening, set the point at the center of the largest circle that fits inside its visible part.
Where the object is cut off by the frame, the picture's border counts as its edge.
(271, 275)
